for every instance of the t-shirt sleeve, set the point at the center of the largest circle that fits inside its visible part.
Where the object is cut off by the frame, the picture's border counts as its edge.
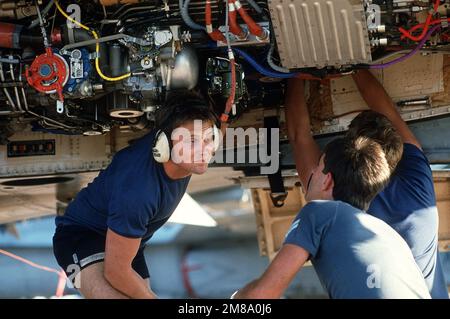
(413, 161)
(311, 224)
(414, 170)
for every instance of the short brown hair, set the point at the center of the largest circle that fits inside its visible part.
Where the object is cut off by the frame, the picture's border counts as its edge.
(359, 169)
(182, 106)
(377, 127)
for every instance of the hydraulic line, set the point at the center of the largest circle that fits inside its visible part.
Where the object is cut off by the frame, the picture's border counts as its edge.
(263, 70)
(272, 64)
(434, 22)
(97, 47)
(230, 104)
(16, 90)
(253, 27)
(36, 21)
(214, 34)
(5, 90)
(234, 27)
(407, 33)
(255, 6)
(410, 54)
(184, 9)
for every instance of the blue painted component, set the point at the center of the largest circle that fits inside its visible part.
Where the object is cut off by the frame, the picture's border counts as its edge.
(72, 84)
(45, 70)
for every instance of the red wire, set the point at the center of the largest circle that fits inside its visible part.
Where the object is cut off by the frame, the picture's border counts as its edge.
(61, 274)
(215, 34)
(437, 21)
(253, 27)
(436, 5)
(235, 28)
(230, 100)
(208, 19)
(407, 33)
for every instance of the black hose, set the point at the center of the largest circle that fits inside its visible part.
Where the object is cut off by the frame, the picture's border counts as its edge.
(79, 35)
(390, 12)
(146, 21)
(29, 40)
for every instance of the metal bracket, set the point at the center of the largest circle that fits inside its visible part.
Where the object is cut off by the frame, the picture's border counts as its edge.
(278, 193)
(114, 37)
(71, 35)
(59, 106)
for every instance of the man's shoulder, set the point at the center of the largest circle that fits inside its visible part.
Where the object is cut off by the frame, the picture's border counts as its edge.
(412, 150)
(145, 141)
(329, 205)
(414, 167)
(326, 208)
(321, 204)
(413, 156)
(137, 148)
(413, 174)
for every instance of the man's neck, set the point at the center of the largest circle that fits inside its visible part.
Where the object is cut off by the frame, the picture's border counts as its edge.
(174, 171)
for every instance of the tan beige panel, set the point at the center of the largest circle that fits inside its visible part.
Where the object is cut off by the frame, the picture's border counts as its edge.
(73, 153)
(419, 78)
(416, 77)
(273, 222)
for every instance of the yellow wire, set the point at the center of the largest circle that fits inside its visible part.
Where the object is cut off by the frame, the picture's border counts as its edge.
(97, 47)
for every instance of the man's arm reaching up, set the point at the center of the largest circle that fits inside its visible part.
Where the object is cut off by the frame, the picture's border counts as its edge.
(305, 149)
(379, 101)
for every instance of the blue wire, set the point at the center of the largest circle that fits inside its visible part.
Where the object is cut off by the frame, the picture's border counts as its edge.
(38, 128)
(262, 69)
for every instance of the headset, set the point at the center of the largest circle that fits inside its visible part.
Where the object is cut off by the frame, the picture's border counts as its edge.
(162, 144)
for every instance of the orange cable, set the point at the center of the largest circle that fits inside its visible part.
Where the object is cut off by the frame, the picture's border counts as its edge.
(60, 273)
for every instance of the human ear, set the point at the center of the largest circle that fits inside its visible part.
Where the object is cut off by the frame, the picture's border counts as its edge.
(328, 183)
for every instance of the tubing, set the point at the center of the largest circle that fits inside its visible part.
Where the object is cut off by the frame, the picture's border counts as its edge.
(235, 28)
(262, 69)
(255, 6)
(410, 54)
(186, 18)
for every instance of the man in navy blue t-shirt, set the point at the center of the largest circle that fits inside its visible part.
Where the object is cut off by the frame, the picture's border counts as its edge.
(100, 239)
(408, 203)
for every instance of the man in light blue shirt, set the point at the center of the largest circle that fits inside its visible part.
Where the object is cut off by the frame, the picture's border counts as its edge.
(408, 203)
(354, 254)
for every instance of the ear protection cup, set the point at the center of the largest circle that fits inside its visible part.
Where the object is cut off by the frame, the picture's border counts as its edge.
(161, 147)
